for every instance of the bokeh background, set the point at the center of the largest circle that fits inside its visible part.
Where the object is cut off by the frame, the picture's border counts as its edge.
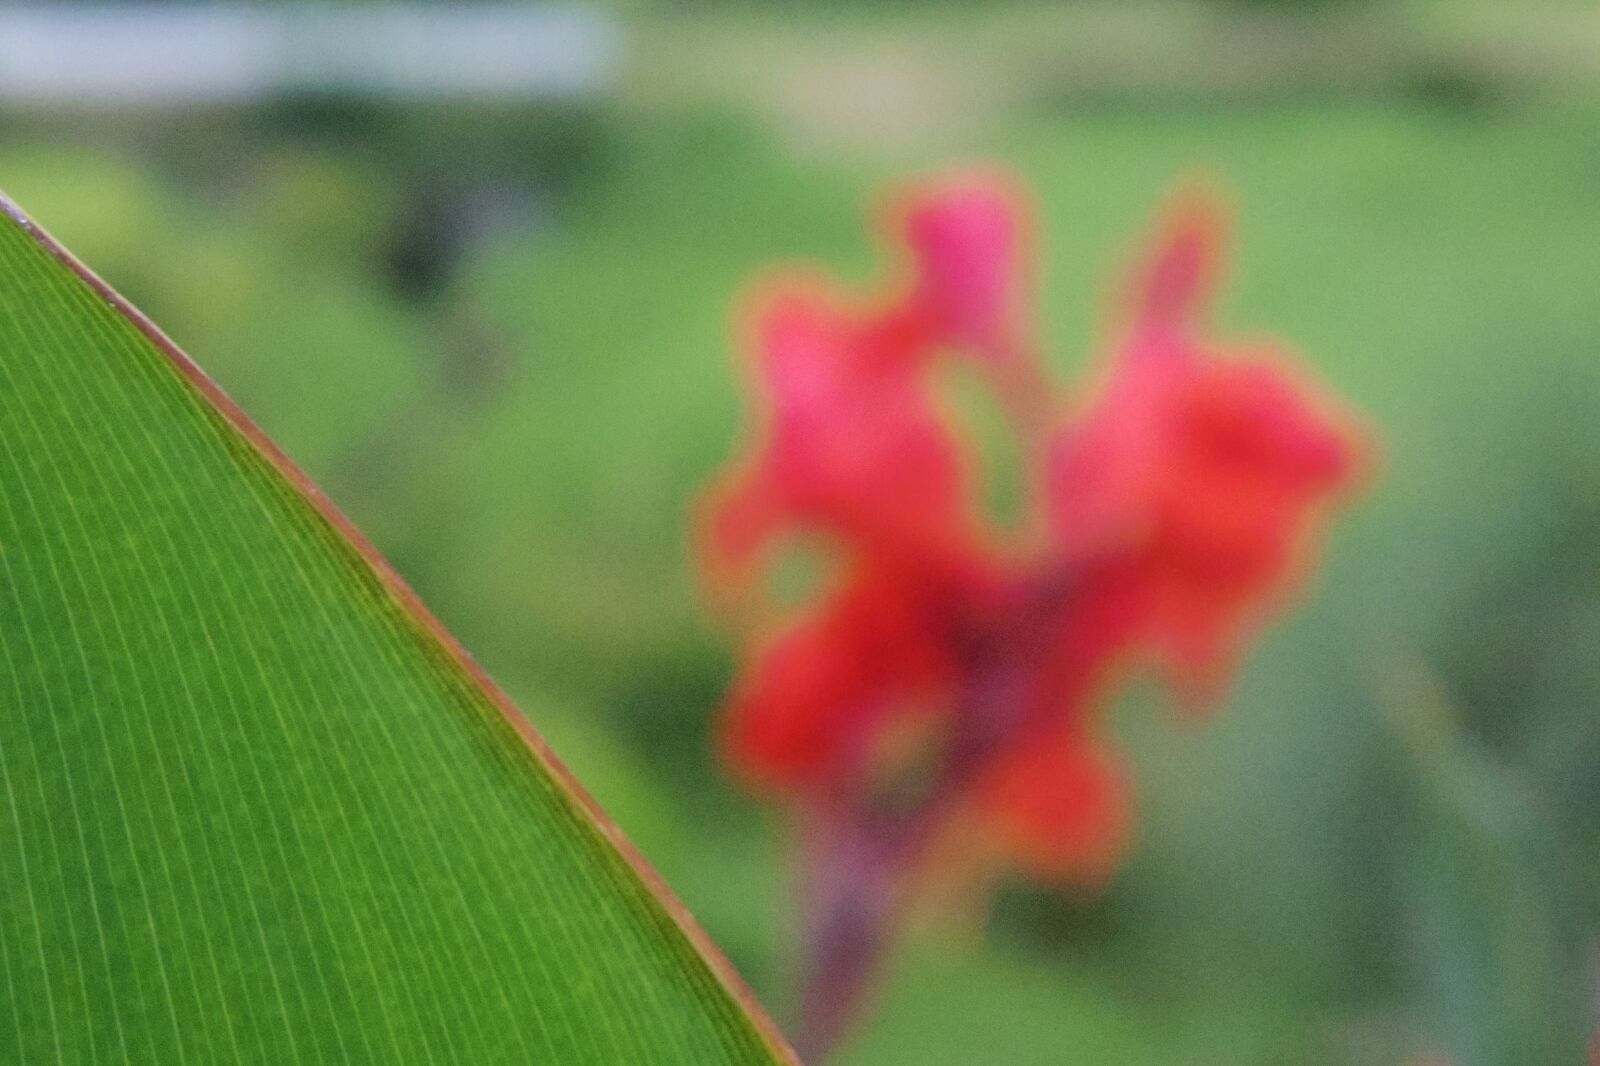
(491, 318)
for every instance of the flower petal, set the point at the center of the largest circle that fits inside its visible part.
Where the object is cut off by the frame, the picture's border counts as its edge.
(964, 234)
(1188, 491)
(809, 706)
(854, 446)
(1061, 807)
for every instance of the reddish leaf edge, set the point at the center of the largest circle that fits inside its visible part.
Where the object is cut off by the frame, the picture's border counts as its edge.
(565, 781)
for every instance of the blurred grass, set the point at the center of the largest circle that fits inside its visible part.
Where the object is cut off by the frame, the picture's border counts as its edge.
(524, 441)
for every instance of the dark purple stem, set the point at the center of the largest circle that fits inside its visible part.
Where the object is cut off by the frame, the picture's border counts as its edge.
(861, 856)
(852, 897)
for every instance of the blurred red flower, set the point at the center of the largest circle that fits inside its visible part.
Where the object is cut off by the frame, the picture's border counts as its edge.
(1167, 517)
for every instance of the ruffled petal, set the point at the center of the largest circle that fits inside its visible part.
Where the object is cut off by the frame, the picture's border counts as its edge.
(808, 707)
(964, 235)
(853, 446)
(1188, 493)
(1060, 806)
(1177, 276)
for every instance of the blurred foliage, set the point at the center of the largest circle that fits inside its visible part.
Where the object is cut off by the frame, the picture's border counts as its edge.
(501, 341)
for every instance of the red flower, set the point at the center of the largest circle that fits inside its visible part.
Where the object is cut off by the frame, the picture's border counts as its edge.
(1178, 505)
(853, 446)
(1187, 491)
(1059, 804)
(804, 715)
(968, 288)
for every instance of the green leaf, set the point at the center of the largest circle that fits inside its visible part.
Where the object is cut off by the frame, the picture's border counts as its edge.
(1489, 896)
(255, 804)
